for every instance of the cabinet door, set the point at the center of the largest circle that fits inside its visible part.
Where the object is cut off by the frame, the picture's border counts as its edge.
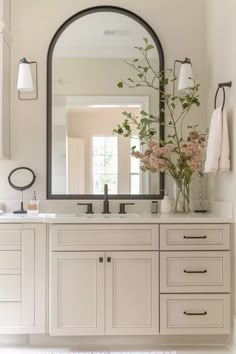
(132, 293)
(77, 293)
(22, 279)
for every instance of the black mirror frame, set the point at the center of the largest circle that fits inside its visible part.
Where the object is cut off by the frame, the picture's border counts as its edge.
(49, 106)
(23, 188)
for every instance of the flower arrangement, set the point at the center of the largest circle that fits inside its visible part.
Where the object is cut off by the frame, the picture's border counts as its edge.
(178, 155)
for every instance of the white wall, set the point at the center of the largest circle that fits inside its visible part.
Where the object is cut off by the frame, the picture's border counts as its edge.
(221, 59)
(180, 26)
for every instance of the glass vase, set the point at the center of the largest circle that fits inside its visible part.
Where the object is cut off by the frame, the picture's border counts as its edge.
(181, 193)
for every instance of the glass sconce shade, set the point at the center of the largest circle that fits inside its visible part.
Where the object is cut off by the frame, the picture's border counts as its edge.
(25, 81)
(185, 75)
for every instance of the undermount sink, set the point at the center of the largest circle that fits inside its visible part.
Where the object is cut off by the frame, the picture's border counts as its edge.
(109, 215)
(93, 216)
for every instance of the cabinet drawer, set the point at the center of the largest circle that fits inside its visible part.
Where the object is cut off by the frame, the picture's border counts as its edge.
(10, 237)
(195, 314)
(10, 262)
(195, 237)
(197, 272)
(103, 237)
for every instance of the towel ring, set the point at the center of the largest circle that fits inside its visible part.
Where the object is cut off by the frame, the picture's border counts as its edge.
(223, 104)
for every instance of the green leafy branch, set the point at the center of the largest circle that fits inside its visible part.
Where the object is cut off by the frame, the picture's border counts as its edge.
(147, 76)
(143, 126)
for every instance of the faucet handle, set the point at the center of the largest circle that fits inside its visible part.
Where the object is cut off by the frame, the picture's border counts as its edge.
(122, 207)
(89, 207)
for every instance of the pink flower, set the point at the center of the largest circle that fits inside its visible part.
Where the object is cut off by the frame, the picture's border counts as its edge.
(194, 164)
(190, 148)
(151, 143)
(157, 164)
(137, 154)
(157, 158)
(193, 135)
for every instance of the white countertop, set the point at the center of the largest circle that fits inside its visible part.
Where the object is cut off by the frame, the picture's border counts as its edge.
(189, 218)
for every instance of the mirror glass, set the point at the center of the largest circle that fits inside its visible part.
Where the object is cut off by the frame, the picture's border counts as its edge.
(87, 61)
(21, 178)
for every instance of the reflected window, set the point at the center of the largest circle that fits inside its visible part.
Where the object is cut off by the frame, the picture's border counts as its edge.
(135, 180)
(104, 164)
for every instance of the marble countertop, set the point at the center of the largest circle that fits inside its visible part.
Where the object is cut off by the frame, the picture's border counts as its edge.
(189, 218)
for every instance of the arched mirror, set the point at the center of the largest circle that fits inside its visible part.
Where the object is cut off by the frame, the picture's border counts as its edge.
(88, 57)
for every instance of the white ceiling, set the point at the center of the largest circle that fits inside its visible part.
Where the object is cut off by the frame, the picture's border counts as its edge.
(102, 35)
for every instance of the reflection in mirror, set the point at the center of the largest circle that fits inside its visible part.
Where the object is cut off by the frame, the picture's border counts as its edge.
(88, 60)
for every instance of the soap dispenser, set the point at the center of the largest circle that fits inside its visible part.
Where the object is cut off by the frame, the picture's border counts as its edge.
(166, 204)
(33, 206)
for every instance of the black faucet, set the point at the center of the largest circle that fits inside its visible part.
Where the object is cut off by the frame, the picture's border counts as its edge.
(106, 201)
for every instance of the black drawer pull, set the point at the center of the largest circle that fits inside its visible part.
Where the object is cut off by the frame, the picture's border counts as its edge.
(195, 313)
(196, 237)
(109, 259)
(195, 271)
(100, 259)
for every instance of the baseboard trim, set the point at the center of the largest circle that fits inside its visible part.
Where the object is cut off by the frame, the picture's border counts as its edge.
(231, 341)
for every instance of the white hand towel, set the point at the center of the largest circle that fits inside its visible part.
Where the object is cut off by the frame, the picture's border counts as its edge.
(224, 162)
(217, 160)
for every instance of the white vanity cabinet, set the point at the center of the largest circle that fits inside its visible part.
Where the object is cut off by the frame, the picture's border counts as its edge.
(22, 278)
(113, 291)
(112, 279)
(194, 279)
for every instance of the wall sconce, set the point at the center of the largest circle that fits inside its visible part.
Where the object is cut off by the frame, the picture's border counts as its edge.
(25, 81)
(185, 74)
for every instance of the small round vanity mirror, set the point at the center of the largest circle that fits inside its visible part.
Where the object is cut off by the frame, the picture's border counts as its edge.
(21, 178)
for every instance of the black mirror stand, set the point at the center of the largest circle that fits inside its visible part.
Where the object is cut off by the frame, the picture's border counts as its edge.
(21, 210)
